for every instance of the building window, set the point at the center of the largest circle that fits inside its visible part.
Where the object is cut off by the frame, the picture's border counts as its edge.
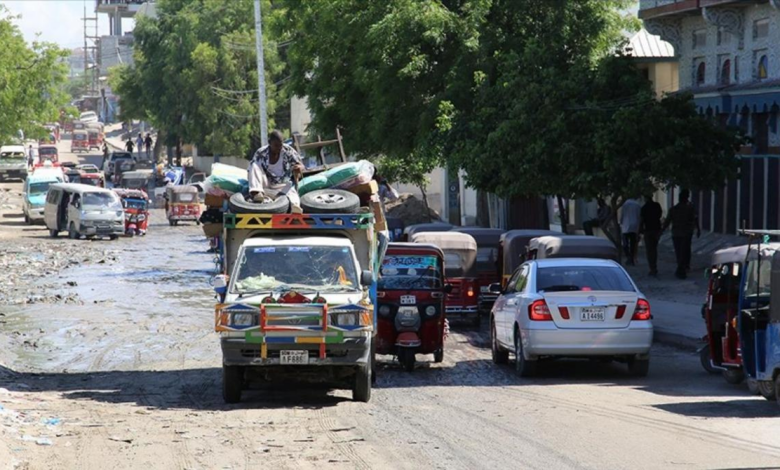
(763, 68)
(724, 37)
(736, 69)
(699, 38)
(761, 28)
(725, 72)
(701, 73)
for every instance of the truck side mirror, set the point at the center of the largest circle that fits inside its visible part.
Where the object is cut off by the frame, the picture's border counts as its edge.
(366, 278)
(495, 288)
(447, 288)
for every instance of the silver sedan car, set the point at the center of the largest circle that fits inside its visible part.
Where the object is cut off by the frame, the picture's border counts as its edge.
(571, 307)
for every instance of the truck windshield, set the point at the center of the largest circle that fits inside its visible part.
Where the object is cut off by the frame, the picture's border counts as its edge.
(99, 200)
(410, 272)
(39, 188)
(323, 269)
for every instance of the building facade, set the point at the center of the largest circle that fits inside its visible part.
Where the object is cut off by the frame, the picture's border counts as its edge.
(729, 58)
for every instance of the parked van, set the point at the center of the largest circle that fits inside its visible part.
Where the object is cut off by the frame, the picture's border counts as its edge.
(35, 188)
(86, 210)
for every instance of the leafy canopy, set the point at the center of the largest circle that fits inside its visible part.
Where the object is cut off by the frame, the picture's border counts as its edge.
(31, 82)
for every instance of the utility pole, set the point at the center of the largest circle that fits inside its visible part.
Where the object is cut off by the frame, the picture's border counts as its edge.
(261, 74)
(93, 85)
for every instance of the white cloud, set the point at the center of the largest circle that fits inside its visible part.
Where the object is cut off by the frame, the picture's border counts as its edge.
(58, 20)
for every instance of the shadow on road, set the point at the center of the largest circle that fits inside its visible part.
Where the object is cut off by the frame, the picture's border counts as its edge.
(747, 408)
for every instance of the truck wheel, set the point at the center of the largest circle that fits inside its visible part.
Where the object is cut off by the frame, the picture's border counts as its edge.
(734, 376)
(239, 205)
(752, 385)
(361, 391)
(330, 201)
(232, 383)
(406, 357)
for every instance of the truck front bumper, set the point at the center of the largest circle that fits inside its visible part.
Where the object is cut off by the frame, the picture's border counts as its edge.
(107, 229)
(352, 352)
(8, 173)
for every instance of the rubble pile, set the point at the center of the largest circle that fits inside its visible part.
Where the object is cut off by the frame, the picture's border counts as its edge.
(410, 210)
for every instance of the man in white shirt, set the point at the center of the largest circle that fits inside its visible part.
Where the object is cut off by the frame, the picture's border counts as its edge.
(271, 172)
(630, 217)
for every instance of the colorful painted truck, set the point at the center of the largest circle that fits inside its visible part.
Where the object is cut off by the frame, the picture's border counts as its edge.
(297, 299)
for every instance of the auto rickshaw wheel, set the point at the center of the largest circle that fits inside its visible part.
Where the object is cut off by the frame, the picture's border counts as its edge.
(438, 355)
(766, 388)
(361, 390)
(406, 357)
(752, 385)
(706, 362)
(734, 376)
(232, 383)
(499, 355)
(777, 389)
(523, 366)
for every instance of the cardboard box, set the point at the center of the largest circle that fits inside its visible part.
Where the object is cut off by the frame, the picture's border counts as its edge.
(212, 230)
(365, 191)
(213, 201)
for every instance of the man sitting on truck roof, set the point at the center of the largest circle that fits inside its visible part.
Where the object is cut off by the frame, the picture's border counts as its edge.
(271, 172)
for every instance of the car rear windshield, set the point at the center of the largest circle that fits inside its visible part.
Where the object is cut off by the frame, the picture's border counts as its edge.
(582, 278)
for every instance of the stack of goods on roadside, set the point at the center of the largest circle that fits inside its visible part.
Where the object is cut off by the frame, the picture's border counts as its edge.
(224, 181)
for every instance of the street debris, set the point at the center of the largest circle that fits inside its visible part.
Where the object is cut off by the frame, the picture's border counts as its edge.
(410, 210)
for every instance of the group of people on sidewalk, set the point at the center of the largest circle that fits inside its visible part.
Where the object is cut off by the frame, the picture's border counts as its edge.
(638, 221)
(140, 143)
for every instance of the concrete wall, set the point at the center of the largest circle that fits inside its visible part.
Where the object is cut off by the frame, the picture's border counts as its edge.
(299, 115)
(665, 77)
(204, 163)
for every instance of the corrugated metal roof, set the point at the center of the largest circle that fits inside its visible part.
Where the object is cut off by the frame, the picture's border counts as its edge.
(646, 46)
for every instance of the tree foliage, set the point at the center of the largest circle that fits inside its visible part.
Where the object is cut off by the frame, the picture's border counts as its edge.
(195, 74)
(31, 79)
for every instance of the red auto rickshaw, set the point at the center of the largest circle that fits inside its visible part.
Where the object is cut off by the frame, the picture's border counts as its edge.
(460, 254)
(93, 179)
(136, 205)
(80, 142)
(48, 153)
(488, 240)
(182, 203)
(410, 293)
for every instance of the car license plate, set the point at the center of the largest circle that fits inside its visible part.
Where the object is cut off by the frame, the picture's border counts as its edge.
(592, 314)
(294, 357)
(408, 300)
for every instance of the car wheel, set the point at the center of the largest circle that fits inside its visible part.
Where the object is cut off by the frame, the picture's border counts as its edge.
(113, 237)
(638, 367)
(500, 355)
(766, 388)
(734, 376)
(73, 234)
(706, 362)
(752, 385)
(239, 205)
(330, 201)
(524, 367)
(406, 357)
(53, 233)
(232, 383)
(361, 390)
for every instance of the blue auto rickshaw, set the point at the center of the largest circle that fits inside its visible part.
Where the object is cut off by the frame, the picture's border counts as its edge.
(759, 318)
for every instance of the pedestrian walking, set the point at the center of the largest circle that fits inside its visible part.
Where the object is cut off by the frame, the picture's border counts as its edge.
(682, 217)
(139, 144)
(30, 157)
(148, 144)
(602, 218)
(129, 145)
(629, 227)
(650, 229)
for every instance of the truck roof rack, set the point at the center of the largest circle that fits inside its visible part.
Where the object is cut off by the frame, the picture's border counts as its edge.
(298, 221)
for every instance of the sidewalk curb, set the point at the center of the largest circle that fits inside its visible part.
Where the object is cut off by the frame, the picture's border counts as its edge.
(676, 340)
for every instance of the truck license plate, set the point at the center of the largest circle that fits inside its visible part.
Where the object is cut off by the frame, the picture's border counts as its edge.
(592, 314)
(408, 300)
(294, 357)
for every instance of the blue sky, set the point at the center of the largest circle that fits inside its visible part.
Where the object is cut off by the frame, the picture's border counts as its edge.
(58, 20)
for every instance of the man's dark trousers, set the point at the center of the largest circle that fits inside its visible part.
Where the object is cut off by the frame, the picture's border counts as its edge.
(682, 251)
(651, 248)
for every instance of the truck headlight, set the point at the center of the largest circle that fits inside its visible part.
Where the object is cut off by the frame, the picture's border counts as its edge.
(346, 319)
(243, 319)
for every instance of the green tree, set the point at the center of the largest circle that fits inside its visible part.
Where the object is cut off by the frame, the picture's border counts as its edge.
(31, 79)
(195, 75)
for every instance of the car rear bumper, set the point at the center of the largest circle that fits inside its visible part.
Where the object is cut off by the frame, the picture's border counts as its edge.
(551, 341)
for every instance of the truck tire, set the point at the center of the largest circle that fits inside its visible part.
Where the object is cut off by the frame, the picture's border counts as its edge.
(239, 205)
(361, 390)
(330, 201)
(232, 383)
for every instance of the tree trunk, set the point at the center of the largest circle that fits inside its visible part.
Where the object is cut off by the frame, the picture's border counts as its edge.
(425, 202)
(564, 214)
(483, 210)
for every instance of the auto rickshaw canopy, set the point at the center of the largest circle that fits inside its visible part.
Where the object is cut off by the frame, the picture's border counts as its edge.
(80, 135)
(739, 254)
(130, 193)
(460, 251)
(428, 227)
(187, 194)
(137, 178)
(514, 245)
(572, 246)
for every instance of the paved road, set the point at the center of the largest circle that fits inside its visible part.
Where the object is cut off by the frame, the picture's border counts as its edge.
(125, 375)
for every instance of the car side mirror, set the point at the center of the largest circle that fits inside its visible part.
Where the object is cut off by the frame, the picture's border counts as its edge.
(495, 288)
(366, 278)
(447, 288)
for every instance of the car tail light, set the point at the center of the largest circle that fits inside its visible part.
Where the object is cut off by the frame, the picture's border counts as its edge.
(564, 311)
(621, 310)
(538, 311)
(642, 311)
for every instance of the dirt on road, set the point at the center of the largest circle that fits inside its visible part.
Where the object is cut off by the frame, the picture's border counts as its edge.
(108, 360)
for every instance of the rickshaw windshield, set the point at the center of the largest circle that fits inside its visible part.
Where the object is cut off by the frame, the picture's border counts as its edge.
(184, 197)
(99, 200)
(412, 272)
(130, 203)
(309, 269)
(758, 278)
(457, 263)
